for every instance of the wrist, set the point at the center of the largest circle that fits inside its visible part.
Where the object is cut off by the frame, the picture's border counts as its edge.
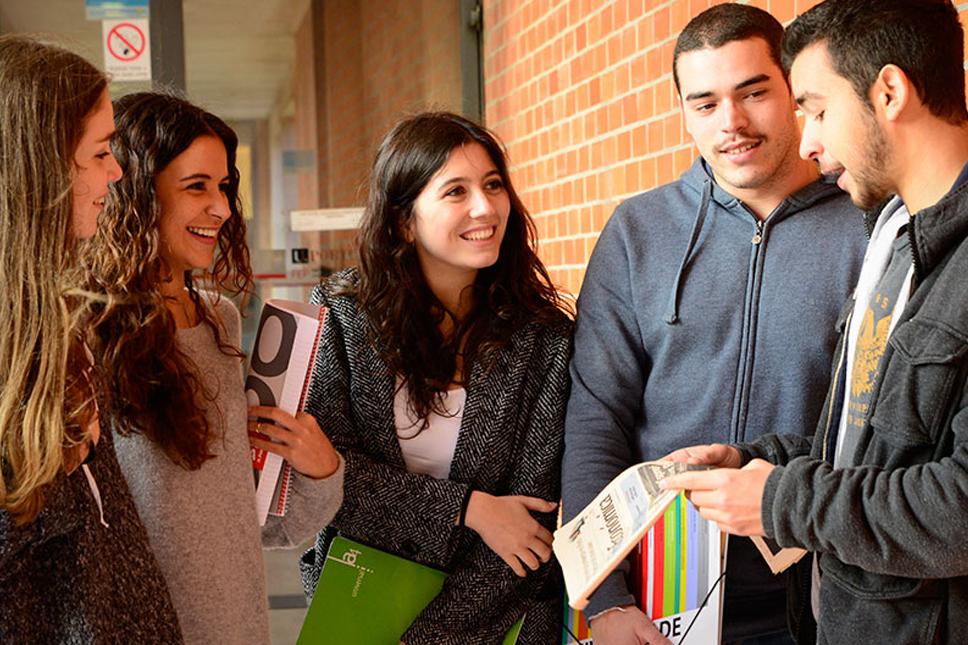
(476, 504)
(329, 466)
(622, 609)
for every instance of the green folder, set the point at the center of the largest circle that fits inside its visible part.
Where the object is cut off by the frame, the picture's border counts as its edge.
(366, 596)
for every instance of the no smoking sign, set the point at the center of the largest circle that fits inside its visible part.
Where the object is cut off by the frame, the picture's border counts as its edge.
(127, 49)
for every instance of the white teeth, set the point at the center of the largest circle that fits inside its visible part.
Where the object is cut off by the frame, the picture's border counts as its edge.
(737, 151)
(478, 235)
(204, 232)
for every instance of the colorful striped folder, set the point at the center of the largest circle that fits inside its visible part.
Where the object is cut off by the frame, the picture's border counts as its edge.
(675, 566)
(574, 620)
(673, 569)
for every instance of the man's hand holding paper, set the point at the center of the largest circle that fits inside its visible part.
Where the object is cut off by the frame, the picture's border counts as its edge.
(732, 497)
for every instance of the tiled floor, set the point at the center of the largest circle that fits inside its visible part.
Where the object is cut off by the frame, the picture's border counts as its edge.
(285, 592)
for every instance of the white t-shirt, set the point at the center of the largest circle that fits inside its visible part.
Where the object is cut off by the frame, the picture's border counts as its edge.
(431, 450)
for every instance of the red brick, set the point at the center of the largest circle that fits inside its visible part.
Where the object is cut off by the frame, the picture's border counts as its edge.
(662, 24)
(663, 97)
(629, 109)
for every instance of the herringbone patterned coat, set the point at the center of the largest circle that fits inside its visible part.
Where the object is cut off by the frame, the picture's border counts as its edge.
(510, 442)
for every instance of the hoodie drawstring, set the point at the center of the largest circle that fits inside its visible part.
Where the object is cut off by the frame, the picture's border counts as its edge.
(672, 317)
(92, 484)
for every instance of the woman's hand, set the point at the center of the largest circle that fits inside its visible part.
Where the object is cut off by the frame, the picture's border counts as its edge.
(507, 527)
(297, 439)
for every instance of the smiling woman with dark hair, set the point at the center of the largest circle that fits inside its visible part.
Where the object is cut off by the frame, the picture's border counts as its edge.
(442, 377)
(172, 367)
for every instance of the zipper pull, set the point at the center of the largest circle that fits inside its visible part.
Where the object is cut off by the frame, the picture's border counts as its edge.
(758, 235)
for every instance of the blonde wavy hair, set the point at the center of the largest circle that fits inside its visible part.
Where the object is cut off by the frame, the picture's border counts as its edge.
(48, 92)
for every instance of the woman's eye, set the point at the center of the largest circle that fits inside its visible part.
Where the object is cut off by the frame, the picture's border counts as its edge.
(456, 191)
(103, 155)
(494, 184)
(196, 186)
(224, 188)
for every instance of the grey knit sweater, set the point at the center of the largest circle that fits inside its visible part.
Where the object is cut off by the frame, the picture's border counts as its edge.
(202, 523)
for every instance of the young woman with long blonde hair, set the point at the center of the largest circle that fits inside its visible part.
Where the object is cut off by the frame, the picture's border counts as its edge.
(75, 565)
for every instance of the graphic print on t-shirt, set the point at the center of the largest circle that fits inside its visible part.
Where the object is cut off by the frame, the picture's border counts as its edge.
(871, 342)
(874, 331)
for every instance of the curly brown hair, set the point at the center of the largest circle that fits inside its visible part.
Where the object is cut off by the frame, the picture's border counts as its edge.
(405, 314)
(149, 385)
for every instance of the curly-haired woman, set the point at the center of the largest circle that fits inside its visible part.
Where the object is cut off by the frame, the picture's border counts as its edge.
(171, 361)
(75, 563)
(442, 379)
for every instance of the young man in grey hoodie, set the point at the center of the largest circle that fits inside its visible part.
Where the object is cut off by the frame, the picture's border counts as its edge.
(709, 306)
(881, 499)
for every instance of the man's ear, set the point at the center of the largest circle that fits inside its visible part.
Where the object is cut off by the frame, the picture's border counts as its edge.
(891, 92)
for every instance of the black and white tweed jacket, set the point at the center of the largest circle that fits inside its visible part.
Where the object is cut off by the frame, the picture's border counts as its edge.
(510, 442)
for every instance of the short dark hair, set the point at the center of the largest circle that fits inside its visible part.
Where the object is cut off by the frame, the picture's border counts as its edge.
(724, 24)
(922, 37)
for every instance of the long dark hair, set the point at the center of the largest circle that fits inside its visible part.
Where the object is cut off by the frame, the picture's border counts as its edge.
(149, 385)
(393, 292)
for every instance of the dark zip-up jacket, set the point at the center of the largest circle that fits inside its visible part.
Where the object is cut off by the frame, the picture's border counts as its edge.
(699, 324)
(889, 530)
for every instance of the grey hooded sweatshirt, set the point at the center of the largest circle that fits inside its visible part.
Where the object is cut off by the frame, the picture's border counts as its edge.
(699, 324)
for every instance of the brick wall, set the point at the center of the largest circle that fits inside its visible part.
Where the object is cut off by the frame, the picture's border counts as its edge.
(581, 92)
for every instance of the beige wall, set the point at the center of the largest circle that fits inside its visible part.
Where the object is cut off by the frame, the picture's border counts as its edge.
(361, 65)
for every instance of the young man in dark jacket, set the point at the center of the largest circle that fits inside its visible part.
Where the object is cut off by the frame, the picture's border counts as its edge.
(708, 309)
(882, 498)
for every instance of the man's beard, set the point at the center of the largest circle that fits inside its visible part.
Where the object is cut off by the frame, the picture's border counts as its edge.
(872, 185)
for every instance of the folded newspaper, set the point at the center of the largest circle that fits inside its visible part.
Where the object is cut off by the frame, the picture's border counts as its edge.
(279, 371)
(591, 545)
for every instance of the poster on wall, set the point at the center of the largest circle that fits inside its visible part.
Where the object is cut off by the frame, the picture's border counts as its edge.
(127, 49)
